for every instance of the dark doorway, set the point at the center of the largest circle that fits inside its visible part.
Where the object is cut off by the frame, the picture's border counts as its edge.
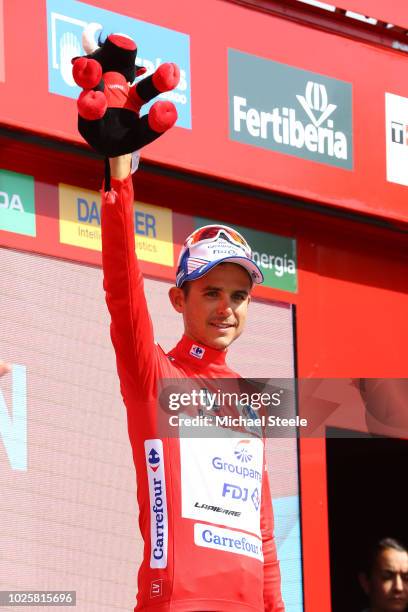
(367, 500)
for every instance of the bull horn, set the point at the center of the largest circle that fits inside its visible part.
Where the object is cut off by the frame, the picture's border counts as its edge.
(88, 37)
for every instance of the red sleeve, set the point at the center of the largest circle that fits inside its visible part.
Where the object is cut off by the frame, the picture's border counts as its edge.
(131, 327)
(272, 580)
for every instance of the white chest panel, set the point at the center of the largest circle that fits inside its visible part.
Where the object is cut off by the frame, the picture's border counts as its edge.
(221, 481)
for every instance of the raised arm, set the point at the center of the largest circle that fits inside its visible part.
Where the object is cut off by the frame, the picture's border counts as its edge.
(120, 167)
(272, 579)
(131, 327)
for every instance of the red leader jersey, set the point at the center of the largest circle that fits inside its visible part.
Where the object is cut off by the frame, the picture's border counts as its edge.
(205, 547)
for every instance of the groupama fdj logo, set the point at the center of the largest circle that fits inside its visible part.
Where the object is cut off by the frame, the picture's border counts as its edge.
(293, 111)
(17, 203)
(242, 451)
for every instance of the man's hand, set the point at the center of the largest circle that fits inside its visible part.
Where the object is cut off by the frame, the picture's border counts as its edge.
(120, 166)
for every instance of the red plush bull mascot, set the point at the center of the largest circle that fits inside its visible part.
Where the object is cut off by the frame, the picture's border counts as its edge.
(109, 106)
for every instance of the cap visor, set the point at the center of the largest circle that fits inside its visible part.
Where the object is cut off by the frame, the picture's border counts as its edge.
(250, 266)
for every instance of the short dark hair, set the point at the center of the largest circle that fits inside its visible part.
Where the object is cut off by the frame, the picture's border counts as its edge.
(185, 287)
(376, 548)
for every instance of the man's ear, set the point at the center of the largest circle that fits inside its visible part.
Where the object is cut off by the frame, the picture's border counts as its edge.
(364, 582)
(177, 298)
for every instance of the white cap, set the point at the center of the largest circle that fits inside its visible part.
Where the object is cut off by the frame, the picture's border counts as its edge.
(211, 245)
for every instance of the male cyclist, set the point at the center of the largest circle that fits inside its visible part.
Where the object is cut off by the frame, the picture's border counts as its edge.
(197, 556)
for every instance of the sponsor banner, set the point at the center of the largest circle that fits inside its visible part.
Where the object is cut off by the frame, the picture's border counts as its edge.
(66, 20)
(17, 203)
(228, 541)
(2, 61)
(396, 138)
(80, 220)
(229, 490)
(275, 255)
(282, 108)
(158, 503)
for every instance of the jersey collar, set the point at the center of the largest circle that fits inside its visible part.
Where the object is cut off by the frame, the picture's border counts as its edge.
(198, 355)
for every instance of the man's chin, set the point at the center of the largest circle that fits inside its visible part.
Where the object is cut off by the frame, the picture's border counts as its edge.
(220, 340)
(221, 343)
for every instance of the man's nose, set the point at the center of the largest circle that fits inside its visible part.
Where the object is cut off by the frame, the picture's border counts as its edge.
(224, 305)
(398, 583)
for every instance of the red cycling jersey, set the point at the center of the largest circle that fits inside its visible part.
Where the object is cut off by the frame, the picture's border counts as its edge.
(198, 556)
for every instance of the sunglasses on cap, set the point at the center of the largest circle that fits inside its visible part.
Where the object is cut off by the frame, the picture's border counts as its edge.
(210, 233)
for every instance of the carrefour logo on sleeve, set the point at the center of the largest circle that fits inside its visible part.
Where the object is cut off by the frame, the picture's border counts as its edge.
(17, 203)
(158, 503)
(66, 20)
(293, 111)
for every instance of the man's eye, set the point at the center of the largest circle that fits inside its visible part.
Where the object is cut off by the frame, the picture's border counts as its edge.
(212, 293)
(405, 577)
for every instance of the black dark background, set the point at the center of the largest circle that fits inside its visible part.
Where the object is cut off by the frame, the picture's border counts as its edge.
(367, 500)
